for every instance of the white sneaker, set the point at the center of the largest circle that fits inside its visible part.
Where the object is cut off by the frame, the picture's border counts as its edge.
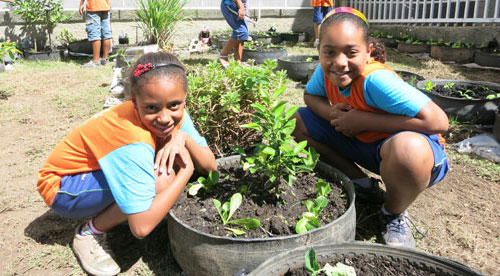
(93, 253)
(316, 43)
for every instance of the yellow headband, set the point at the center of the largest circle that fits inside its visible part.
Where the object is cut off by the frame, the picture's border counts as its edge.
(347, 10)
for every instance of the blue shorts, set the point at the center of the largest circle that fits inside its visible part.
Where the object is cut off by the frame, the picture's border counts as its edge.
(366, 155)
(319, 13)
(98, 25)
(240, 28)
(82, 195)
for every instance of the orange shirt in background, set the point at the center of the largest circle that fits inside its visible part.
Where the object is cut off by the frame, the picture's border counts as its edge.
(321, 3)
(98, 5)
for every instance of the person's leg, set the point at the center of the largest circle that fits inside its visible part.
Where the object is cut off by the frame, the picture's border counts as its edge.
(238, 51)
(96, 49)
(106, 34)
(105, 48)
(93, 29)
(223, 56)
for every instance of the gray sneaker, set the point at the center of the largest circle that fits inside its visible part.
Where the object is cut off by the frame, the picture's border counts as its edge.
(104, 61)
(91, 64)
(93, 253)
(397, 230)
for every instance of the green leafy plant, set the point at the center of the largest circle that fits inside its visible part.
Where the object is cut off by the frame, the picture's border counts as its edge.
(249, 45)
(219, 101)
(449, 85)
(467, 94)
(314, 267)
(277, 156)
(457, 44)
(429, 85)
(310, 219)
(159, 19)
(207, 183)
(227, 210)
(8, 48)
(65, 37)
(413, 81)
(435, 43)
(493, 96)
(49, 13)
(309, 59)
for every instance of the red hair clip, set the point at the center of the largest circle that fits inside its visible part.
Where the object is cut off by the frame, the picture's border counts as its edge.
(142, 68)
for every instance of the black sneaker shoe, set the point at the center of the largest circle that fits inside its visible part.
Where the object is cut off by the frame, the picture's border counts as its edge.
(373, 194)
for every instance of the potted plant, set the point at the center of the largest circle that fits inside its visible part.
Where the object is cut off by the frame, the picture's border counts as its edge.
(467, 101)
(264, 38)
(359, 258)
(47, 13)
(388, 39)
(292, 36)
(410, 45)
(7, 49)
(410, 77)
(457, 51)
(260, 53)
(298, 67)
(290, 211)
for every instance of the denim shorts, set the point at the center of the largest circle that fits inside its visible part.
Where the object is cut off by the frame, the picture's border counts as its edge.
(98, 25)
(319, 13)
(240, 28)
(364, 154)
(82, 195)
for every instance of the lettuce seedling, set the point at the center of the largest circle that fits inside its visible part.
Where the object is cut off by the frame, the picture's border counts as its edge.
(310, 219)
(206, 183)
(314, 267)
(227, 210)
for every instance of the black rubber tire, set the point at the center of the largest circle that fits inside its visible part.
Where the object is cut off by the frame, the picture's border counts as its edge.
(199, 253)
(297, 67)
(261, 56)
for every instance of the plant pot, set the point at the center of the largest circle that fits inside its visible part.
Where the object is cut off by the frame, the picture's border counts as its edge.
(297, 67)
(496, 126)
(312, 68)
(445, 53)
(485, 59)
(263, 39)
(363, 252)
(413, 48)
(83, 47)
(479, 111)
(199, 253)
(410, 77)
(261, 54)
(220, 40)
(275, 37)
(50, 55)
(294, 37)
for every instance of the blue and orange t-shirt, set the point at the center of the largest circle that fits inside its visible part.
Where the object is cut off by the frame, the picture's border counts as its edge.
(116, 142)
(378, 89)
(321, 3)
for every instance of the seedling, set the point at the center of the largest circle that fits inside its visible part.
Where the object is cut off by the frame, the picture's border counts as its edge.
(206, 183)
(449, 85)
(277, 156)
(227, 210)
(310, 219)
(309, 59)
(429, 85)
(493, 96)
(314, 267)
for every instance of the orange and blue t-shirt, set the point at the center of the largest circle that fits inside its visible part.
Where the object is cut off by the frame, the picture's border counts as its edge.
(116, 142)
(321, 3)
(378, 89)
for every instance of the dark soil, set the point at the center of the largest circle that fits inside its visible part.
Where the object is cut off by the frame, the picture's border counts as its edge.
(368, 265)
(277, 216)
(461, 90)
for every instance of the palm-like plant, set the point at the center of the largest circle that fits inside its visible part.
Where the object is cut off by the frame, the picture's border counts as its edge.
(159, 19)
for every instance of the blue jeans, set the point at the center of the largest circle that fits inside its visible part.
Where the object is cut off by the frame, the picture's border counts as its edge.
(98, 25)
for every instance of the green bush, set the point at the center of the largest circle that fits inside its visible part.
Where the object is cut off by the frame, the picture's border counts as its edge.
(219, 101)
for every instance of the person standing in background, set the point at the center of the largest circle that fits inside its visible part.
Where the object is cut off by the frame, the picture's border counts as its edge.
(97, 15)
(321, 9)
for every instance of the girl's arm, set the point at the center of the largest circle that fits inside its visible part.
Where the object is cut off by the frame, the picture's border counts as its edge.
(241, 9)
(169, 187)
(319, 105)
(431, 119)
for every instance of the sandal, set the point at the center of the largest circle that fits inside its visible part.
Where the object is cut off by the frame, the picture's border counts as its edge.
(223, 61)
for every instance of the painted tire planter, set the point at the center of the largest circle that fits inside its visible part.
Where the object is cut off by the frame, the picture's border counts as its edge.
(199, 253)
(297, 67)
(413, 48)
(333, 253)
(480, 111)
(261, 54)
(485, 59)
(410, 77)
(445, 53)
(294, 37)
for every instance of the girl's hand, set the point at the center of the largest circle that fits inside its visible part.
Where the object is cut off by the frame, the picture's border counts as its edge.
(175, 147)
(345, 119)
(241, 13)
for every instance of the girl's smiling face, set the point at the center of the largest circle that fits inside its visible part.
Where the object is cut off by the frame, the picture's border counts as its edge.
(160, 104)
(343, 53)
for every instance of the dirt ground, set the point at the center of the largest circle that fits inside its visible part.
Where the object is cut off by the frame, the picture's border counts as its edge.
(461, 215)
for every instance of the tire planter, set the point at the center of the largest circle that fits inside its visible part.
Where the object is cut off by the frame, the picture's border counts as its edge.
(333, 253)
(263, 39)
(485, 59)
(496, 126)
(389, 42)
(413, 48)
(199, 253)
(275, 37)
(410, 77)
(294, 37)
(445, 53)
(51, 55)
(479, 111)
(220, 40)
(261, 54)
(297, 67)
(83, 47)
